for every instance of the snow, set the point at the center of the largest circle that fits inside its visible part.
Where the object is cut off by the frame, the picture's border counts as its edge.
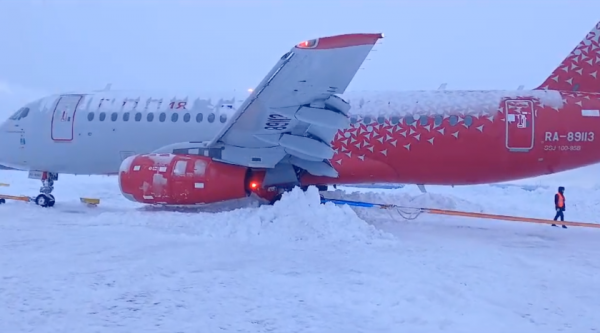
(297, 266)
(161, 159)
(400, 103)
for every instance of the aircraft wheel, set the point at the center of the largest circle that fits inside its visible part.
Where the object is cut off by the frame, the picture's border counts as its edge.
(321, 188)
(44, 200)
(275, 199)
(2, 201)
(52, 200)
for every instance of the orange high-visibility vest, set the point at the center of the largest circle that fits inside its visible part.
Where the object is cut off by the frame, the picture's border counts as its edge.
(561, 200)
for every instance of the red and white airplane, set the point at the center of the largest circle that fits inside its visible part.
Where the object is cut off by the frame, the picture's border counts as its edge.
(295, 129)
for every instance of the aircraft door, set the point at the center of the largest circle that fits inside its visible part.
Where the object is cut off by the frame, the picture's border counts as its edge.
(520, 121)
(63, 117)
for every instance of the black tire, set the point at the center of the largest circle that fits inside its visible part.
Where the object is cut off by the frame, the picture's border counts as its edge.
(44, 200)
(52, 200)
(277, 198)
(322, 188)
(2, 201)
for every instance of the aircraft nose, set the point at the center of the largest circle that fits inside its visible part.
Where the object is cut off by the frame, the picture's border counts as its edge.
(3, 143)
(9, 150)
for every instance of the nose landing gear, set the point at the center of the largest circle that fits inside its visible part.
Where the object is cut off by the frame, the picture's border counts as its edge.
(45, 198)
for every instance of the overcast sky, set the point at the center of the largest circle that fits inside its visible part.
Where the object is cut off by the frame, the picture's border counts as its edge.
(221, 45)
(62, 45)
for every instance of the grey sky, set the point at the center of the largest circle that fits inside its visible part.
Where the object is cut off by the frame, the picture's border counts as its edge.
(62, 45)
(221, 45)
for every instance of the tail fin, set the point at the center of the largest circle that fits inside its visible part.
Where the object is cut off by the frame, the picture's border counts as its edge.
(580, 71)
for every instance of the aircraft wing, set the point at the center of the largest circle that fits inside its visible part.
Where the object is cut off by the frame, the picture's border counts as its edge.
(292, 116)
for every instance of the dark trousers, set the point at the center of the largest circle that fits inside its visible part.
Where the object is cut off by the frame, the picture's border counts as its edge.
(559, 213)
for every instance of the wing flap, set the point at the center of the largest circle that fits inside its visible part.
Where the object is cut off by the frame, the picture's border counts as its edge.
(323, 118)
(306, 146)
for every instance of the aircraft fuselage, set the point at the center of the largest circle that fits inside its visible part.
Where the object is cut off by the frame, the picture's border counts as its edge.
(423, 137)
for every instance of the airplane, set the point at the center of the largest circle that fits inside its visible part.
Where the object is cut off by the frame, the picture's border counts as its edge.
(299, 127)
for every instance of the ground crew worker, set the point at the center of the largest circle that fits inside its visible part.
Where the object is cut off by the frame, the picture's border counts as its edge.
(560, 205)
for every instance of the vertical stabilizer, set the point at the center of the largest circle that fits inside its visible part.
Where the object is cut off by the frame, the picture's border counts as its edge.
(580, 71)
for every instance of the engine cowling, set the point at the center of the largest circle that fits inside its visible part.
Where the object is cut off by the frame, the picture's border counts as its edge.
(172, 179)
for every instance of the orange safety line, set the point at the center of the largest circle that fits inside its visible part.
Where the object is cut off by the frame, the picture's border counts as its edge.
(14, 197)
(509, 218)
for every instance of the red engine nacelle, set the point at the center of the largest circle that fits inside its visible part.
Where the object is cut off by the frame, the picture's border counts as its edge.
(181, 179)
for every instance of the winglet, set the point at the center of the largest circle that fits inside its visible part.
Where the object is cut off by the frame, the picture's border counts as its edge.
(340, 41)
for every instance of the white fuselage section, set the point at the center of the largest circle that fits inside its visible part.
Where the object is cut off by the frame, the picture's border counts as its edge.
(93, 133)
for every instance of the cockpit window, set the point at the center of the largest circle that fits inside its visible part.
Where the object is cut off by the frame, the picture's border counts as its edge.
(20, 114)
(24, 113)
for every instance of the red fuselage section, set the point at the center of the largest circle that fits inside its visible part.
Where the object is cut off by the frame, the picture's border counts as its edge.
(438, 138)
(467, 137)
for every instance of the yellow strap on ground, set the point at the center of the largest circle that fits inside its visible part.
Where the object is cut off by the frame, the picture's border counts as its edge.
(90, 201)
(510, 218)
(14, 197)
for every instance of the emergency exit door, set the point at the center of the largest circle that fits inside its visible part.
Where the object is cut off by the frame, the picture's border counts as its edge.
(520, 125)
(63, 117)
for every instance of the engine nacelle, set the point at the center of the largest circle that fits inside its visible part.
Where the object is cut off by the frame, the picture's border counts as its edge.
(171, 179)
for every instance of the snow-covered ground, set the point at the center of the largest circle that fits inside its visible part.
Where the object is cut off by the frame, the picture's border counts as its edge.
(297, 266)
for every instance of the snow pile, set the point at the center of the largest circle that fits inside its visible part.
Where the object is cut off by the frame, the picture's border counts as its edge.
(585, 178)
(297, 266)
(297, 218)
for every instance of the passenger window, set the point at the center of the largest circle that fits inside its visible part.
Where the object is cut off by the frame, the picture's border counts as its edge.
(162, 117)
(138, 116)
(126, 116)
(424, 120)
(179, 168)
(468, 121)
(211, 118)
(102, 116)
(353, 120)
(453, 120)
(187, 117)
(409, 120)
(90, 116)
(381, 120)
(174, 117)
(150, 117)
(395, 120)
(366, 120)
(199, 118)
(114, 116)
(223, 118)
(438, 120)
